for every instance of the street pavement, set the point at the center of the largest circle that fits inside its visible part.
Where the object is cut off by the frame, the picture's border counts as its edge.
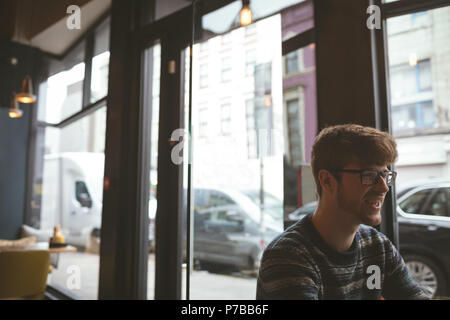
(78, 273)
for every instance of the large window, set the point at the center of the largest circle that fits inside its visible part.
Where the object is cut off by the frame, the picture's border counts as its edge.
(239, 145)
(70, 144)
(418, 53)
(72, 193)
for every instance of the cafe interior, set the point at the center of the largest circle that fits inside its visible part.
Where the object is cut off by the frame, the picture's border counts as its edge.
(123, 122)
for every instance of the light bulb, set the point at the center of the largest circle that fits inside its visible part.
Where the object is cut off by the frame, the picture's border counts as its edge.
(15, 113)
(413, 59)
(246, 15)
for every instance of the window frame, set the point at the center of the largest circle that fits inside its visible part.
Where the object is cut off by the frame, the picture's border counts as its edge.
(380, 64)
(55, 64)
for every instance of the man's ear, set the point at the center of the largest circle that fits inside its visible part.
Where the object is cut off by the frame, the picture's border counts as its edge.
(327, 181)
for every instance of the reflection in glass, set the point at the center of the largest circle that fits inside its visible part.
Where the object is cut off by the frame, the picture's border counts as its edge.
(63, 94)
(99, 82)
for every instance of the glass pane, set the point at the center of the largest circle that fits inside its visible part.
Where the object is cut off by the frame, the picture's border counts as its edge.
(299, 95)
(438, 204)
(100, 62)
(99, 80)
(237, 158)
(151, 90)
(416, 202)
(72, 195)
(62, 95)
(418, 52)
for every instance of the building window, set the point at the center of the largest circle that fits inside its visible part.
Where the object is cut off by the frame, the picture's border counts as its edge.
(225, 119)
(412, 116)
(226, 69)
(407, 80)
(203, 122)
(412, 96)
(250, 62)
(251, 131)
(203, 75)
(294, 132)
(291, 62)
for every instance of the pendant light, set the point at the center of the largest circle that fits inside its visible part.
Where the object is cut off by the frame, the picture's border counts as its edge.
(26, 95)
(246, 13)
(15, 112)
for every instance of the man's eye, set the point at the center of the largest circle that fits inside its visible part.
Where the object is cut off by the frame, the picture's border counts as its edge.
(370, 174)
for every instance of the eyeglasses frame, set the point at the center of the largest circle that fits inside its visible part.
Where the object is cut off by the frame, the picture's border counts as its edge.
(382, 173)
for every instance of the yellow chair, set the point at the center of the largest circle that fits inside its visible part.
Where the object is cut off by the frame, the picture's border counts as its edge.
(23, 274)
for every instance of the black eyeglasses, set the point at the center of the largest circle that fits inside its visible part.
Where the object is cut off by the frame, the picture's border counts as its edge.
(369, 177)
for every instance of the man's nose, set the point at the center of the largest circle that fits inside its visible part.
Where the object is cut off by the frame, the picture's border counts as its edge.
(381, 184)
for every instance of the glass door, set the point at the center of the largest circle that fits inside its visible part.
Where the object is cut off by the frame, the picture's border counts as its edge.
(237, 157)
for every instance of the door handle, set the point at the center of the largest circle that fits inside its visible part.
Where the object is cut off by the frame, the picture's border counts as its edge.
(432, 227)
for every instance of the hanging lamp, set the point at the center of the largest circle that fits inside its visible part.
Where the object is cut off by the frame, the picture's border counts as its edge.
(26, 95)
(15, 111)
(246, 13)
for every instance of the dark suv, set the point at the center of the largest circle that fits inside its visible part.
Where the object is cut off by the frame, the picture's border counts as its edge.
(423, 214)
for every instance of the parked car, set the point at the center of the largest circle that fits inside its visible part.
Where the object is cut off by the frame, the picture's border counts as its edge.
(228, 230)
(423, 215)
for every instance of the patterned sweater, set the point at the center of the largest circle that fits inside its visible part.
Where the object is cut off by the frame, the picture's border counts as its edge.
(299, 264)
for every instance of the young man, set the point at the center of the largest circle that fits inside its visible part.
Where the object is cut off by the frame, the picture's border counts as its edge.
(335, 253)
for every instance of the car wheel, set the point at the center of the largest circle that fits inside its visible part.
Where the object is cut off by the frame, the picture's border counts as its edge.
(427, 274)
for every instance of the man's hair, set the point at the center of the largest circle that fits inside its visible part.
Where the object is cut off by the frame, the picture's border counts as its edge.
(337, 146)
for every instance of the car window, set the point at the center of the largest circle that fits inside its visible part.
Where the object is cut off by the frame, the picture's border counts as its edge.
(225, 219)
(404, 191)
(272, 205)
(437, 205)
(415, 202)
(82, 194)
(218, 199)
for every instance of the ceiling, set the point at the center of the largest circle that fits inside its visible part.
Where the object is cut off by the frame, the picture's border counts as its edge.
(42, 24)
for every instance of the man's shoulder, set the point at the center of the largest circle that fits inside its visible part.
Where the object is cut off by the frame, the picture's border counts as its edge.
(294, 239)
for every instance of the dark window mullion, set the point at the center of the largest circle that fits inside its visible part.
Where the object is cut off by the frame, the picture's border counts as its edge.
(88, 55)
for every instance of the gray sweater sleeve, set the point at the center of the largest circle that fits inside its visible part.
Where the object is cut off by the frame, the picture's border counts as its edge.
(398, 283)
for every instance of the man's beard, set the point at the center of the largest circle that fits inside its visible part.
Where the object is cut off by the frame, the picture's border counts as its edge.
(356, 211)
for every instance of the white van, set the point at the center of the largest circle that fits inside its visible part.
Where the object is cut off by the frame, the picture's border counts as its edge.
(72, 194)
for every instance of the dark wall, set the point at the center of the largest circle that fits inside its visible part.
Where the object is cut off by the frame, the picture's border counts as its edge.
(14, 137)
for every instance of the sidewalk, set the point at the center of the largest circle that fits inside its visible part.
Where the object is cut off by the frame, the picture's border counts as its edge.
(204, 285)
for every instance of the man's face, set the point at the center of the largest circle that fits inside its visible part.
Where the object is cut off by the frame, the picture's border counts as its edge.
(361, 202)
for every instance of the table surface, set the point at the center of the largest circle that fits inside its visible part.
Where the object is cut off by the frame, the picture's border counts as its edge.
(39, 246)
